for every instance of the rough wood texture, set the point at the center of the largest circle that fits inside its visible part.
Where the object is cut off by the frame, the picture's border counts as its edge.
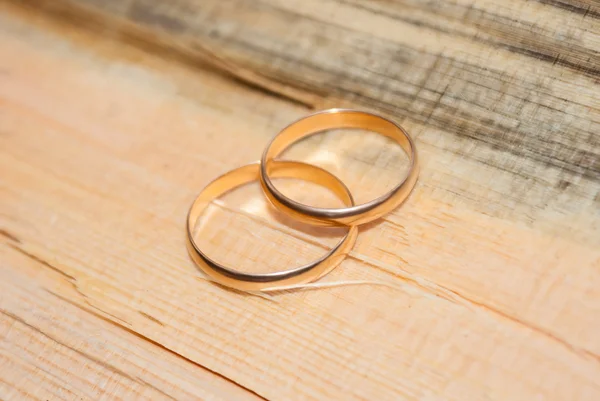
(113, 114)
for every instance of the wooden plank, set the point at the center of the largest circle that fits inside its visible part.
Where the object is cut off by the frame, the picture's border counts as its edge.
(496, 263)
(54, 349)
(510, 87)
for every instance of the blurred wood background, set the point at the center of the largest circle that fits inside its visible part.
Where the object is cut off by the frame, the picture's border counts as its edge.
(113, 115)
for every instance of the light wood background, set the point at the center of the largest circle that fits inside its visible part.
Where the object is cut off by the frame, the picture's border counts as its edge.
(113, 115)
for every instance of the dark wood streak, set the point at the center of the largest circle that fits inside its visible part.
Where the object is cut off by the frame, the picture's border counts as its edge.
(140, 13)
(582, 7)
(10, 236)
(43, 263)
(510, 34)
(272, 93)
(145, 383)
(527, 140)
(147, 316)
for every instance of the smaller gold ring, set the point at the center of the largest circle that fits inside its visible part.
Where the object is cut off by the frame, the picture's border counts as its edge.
(335, 119)
(268, 281)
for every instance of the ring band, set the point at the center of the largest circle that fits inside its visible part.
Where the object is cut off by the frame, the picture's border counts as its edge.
(334, 119)
(269, 281)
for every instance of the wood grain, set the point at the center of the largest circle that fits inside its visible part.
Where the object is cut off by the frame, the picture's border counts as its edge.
(113, 115)
(55, 349)
(514, 85)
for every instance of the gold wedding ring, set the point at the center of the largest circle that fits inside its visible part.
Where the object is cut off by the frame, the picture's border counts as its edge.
(336, 119)
(278, 280)
(349, 216)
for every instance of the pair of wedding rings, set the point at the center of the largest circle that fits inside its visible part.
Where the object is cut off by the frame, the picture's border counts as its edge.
(269, 167)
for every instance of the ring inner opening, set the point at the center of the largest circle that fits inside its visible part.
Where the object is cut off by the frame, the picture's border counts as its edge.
(369, 163)
(241, 230)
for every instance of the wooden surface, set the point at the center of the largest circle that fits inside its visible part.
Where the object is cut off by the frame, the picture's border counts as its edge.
(114, 114)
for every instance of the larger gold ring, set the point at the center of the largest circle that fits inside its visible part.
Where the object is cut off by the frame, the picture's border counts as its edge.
(334, 119)
(278, 280)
